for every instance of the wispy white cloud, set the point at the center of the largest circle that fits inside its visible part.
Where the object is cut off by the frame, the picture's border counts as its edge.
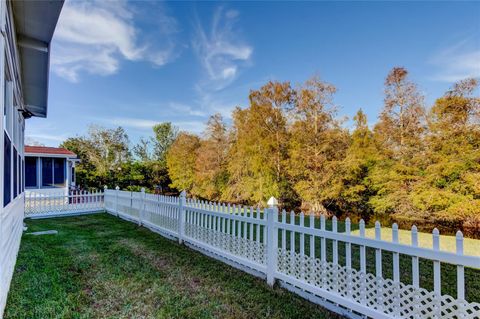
(33, 138)
(185, 109)
(217, 103)
(142, 124)
(223, 53)
(221, 50)
(225, 101)
(191, 126)
(147, 124)
(95, 36)
(458, 61)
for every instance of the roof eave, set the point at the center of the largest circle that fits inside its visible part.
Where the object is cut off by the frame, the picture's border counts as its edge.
(71, 157)
(35, 23)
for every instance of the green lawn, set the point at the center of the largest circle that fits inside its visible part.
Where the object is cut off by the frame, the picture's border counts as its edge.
(447, 243)
(99, 266)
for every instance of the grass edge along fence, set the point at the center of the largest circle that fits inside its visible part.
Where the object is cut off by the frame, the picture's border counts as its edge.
(274, 246)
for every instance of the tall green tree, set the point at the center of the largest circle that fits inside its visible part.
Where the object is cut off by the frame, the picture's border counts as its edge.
(110, 148)
(450, 187)
(143, 150)
(400, 137)
(85, 171)
(259, 152)
(361, 156)
(164, 136)
(151, 153)
(402, 121)
(102, 153)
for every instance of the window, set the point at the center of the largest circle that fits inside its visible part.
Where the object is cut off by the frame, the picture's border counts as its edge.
(73, 174)
(7, 170)
(23, 175)
(53, 172)
(47, 172)
(31, 172)
(8, 113)
(15, 173)
(5, 116)
(59, 172)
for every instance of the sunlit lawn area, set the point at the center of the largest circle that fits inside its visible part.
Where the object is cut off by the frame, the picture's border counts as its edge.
(99, 266)
(447, 243)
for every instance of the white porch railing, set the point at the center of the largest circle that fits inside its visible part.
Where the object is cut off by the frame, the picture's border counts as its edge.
(59, 204)
(304, 258)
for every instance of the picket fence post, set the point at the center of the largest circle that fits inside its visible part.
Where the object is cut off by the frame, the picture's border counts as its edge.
(460, 268)
(142, 206)
(116, 200)
(105, 188)
(181, 216)
(272, 240)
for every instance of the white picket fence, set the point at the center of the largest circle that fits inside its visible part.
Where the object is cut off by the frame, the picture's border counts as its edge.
(59, 204)
(304, 258)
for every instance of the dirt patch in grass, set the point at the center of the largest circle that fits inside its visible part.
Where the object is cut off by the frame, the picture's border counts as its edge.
(141, 251)
(120, 298)
(176, 275)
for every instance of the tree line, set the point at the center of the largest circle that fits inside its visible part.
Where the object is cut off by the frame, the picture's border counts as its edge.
(418, 163)
(107, 159)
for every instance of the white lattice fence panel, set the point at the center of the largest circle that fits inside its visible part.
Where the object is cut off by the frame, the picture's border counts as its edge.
(109, 200)
(162, 211)
(252, 250)
(124, 204)
(249, 237)
(396, 299)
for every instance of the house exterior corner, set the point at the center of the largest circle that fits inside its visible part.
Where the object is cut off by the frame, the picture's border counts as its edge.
(26, 31)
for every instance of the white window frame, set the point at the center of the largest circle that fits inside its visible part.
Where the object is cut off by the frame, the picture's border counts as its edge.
(8, 129)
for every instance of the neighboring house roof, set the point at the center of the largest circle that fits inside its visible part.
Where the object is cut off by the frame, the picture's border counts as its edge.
(44, 150)
(35, 22)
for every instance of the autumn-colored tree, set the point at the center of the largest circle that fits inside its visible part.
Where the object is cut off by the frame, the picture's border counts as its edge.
(399, 135)
(317, 146)
(211, 175)
(402, 120)
(181, 158)
(450, 188)
(259, 151)
(415, 166)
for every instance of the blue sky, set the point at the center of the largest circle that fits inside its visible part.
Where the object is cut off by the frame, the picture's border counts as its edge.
(137, 63)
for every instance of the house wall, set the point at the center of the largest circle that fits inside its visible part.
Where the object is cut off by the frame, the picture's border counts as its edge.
(11, 214)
